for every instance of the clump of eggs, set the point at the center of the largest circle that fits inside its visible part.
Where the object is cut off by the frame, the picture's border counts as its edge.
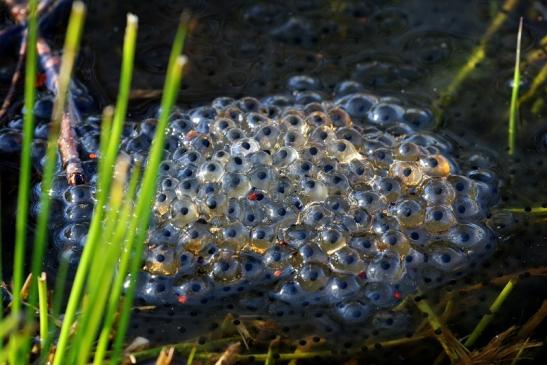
(344, 204)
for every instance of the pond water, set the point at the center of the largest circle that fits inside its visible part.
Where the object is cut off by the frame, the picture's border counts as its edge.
(408, 51)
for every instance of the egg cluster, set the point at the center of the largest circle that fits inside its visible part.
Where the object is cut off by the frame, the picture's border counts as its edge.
(344, 204)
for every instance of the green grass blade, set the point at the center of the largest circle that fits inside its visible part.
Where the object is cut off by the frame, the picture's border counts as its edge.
(117, 287)
(103, 186)
(70, 51)
(514, 109)
(103, 266)
(42, 295)
(144, 204)
(26, 161)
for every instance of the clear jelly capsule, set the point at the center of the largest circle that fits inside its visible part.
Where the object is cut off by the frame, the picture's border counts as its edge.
(318, 118)
(360, 171)
(322, 135)
(220, 126)
(260, 158)
(410, 212)
(213, 205)
(467, 209)
(346, 260)
(284, 156)
(370, 201)
(351, 135)
(343, 150)
(167, 234)
(235, 185)
(438, 191)
(332, 238)
(418, 236)
(294, 138)
(312, 152)
(210, 171)
(448, 259)
(225, 267)
(280, 215)
(467, 236)
(294, 122)
(235, 235)
(316, 214)
(183, 212)
(312, 277)
(262, 237)
(255, 120)
(385, 267)
(160, 260)
(395, 241)
(77, 213)
(409, 173)
(244, 147)
(168, 183)
(300, 168)
(290, 292)
(439, 218)
(237, 164)
(78, 194)
(262, 177)
(162, 203)
(353, 311)
(310, 252)
(342, 287)
(268, 136)
(337, 183)
(187, 188)
(312, 190)
(382, 295)
(298, 234)
(276, 258)
(389, 188)
(251, 266)
(195, 237)
(366, 244)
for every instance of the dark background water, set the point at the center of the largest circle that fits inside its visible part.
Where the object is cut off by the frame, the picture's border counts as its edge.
(411, 49)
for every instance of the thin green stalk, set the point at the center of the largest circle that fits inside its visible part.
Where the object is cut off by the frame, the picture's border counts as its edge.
(533, 211)
(269, 356)
(518, 356)
(103, 270)
(26, 161)
(487, 318)
(514, 109)
(117, 287)
(437, 326)
(477, 55)
(58, 290)
(141, 219)
(103, 187)
(70, 51)
(42, 296)
(190, 359)
(1, 266)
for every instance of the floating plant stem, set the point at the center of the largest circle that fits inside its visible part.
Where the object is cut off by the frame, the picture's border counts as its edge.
(514, 109)
(539, 80)
(476, 56)
(487, 318)
(42, 296)
(532, 211)
(26, 161)
(448, 342)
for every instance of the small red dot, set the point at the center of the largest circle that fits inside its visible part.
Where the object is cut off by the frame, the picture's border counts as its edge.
(182, 299)
(191, 135)
(40, 79)
(362, 275)
(277, 273)
(252, 196)
(93, 156)
(397, 295)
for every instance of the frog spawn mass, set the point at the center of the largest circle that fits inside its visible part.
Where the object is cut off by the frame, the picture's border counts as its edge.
(344, 206)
